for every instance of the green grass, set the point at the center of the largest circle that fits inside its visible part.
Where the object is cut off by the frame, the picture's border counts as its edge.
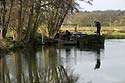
(114, 32)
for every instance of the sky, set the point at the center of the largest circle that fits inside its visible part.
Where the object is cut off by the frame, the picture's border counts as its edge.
(103, 5)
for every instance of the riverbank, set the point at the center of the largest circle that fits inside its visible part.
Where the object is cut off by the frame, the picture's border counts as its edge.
(112, 32)
(11, 45)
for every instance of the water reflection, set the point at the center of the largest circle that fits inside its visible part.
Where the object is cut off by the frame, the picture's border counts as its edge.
(33, 66)
(97, 50)
(98, 61)
(71, 54)
(68, 52)
(36, 64)
(45, 65)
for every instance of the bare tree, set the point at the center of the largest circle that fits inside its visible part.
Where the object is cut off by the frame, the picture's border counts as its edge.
(56, 12)
(5, 16)
(23, 17)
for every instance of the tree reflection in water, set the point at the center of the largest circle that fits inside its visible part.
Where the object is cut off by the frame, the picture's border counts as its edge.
(26, 66)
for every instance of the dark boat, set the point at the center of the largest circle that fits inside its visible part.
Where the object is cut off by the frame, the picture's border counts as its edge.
(67, 42)
(91, 40)
(79, 38)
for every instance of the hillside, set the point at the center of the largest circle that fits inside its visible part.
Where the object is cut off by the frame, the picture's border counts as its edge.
(107, 18)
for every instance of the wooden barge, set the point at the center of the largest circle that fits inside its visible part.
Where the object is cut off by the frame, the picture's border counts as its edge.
(84, 40)
(91, 40)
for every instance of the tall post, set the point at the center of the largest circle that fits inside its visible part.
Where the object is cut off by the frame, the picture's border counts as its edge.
(76, 26)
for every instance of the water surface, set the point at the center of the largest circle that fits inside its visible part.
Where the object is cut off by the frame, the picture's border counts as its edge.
(89, 64)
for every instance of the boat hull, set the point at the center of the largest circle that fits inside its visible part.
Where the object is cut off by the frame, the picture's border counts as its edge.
(91, 40)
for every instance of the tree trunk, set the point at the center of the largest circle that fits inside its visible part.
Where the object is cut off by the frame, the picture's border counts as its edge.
(29, 27)
(5, 20)
(19, 28)
(32, 26)
(3, 33)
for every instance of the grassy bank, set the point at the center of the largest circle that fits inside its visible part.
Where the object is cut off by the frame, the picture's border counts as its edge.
(114, 32)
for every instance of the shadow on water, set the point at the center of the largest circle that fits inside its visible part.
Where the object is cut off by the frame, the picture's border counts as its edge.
(33, 66)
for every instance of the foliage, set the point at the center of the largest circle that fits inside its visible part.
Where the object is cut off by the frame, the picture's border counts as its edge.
(56, 12)
(23, 17)
(107, 18)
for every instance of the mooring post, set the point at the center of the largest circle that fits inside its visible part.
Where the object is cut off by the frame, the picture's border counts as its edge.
(76, 27)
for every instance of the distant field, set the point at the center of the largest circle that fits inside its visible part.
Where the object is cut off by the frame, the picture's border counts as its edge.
(108, 32)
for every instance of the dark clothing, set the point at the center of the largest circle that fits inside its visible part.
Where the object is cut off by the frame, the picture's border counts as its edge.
(57, 36)
(98, 25)
(68, 34)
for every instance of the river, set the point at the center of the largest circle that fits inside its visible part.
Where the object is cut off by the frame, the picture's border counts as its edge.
(89, 65)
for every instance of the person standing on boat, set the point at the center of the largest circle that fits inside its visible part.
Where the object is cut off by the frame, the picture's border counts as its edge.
(98, 26)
